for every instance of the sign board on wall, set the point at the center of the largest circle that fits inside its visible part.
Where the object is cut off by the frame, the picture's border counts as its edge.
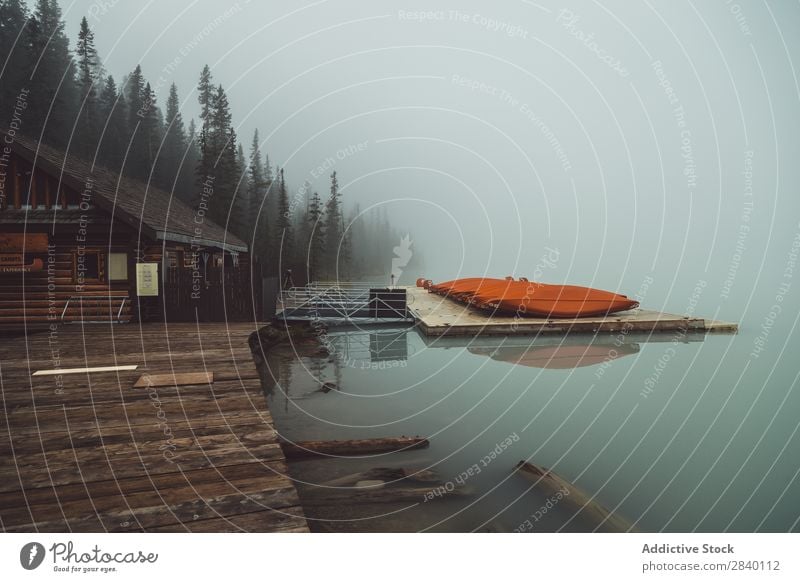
(16, 248)
(11, 259)
(147, 279)
(14, 264)
(17, 242)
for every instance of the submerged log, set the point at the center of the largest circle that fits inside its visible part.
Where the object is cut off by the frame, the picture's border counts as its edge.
(371, 494)
(552, 484)
(386, 474)
(305, 449)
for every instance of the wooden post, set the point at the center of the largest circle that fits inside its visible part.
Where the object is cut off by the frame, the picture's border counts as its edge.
(17, 188)
(47, 201)
(32, 189)
(133, 297)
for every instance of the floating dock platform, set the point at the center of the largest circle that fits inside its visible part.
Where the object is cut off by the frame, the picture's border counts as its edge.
(437, 316)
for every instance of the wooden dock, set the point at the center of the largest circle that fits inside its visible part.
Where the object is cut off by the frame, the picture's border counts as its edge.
(437, 316)
(90, 452)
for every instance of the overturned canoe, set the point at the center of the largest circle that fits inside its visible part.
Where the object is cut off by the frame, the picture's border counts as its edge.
(529, 299)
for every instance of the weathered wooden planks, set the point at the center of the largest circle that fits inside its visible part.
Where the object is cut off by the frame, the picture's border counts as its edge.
(90, 452)
(284, 520)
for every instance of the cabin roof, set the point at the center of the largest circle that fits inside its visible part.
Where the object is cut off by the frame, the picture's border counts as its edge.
(154, 212)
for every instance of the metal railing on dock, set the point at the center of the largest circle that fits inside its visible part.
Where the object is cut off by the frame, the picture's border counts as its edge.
(343, 301)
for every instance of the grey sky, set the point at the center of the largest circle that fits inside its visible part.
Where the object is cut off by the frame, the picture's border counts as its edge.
(617, 133)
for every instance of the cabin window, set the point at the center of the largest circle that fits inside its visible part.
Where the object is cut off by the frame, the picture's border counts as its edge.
(171, 258)
(88, 267)
(191, 260)
(118, 267)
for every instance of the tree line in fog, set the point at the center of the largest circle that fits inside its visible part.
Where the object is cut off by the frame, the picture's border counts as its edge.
(74, 104)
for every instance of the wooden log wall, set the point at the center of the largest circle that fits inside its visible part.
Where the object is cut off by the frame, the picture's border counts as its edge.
(38, 298)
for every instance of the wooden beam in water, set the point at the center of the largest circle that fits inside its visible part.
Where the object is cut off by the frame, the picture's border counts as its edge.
(374, 494)
(305, 449)
(385, 474)
(551, 483)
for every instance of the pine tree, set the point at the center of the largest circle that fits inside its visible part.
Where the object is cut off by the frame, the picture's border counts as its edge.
(268, 176)
(15, 53)
(218, 157)
(284, 235)
(359, 242)
(227, 166)
(114, 131)
(173, 149)
(205, 97)
(188, 178)
(344, 265)
(298, 218)
(88, 123)
(333, 228)
(240, 216)
(192, 135)
(316, 240)
(256, 197)
(148, 138)
(133, 91)
(53, 100)
(257, 182)
(270, 209)
(271, 215)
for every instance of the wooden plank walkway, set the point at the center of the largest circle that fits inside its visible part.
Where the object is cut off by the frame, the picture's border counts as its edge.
(436, 315)
(91, 452)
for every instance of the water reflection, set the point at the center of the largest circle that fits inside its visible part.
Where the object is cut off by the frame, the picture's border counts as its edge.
(559, 352)
(357, 348)
(352, 346)
(572, 404)
(558, 356)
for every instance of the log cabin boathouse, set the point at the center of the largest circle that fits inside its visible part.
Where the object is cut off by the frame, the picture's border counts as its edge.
(148, 427)
(79, 243)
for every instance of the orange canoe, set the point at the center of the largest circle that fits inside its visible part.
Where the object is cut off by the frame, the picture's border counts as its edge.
(529, 299)
(460, 286)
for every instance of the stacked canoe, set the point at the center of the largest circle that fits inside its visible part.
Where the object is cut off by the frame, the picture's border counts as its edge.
(529, 299)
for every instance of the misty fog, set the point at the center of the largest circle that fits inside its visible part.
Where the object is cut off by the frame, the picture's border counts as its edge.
(630, 142)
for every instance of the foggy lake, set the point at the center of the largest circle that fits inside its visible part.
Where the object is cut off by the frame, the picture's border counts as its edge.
(674, 432)
(192, 172)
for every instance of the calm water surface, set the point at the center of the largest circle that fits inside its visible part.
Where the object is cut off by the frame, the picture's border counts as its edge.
(673, 432)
